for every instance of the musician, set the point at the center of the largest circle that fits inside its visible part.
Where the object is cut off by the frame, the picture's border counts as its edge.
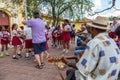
(100, 60)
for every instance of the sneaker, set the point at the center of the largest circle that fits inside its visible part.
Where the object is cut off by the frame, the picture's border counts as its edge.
(39, 66)
(33, 54)
(67, 51)
(1, 55)
(58, 47)
(63, 50)
(27, 57)
(19, 55)
(7, 54)
(42, 64)
(15, 58)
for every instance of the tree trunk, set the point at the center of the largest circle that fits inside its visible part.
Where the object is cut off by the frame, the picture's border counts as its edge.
(53, 12)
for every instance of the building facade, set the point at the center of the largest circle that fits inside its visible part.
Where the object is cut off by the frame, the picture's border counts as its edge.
(9, 14)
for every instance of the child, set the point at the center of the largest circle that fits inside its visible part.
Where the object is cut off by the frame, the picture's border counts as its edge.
(28, 42)
(5, 39)
(16, 41)
(59, 36)
(66, 36)
(54, 37)
(47, 38)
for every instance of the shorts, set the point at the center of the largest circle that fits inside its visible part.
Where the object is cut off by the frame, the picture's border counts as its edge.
(39, 47)
(28, 43)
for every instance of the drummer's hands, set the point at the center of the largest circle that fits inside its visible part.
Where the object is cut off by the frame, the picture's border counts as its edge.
(64, 59)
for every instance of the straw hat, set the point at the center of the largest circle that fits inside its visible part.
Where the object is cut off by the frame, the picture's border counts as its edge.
(100, 23)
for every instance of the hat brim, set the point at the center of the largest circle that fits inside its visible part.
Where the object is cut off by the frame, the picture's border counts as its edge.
(98, 27)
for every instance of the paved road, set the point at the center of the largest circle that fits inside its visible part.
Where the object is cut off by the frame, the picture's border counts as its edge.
(24, 69)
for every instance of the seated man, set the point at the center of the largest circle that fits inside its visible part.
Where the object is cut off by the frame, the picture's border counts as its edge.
(101, 58)
(81, 45)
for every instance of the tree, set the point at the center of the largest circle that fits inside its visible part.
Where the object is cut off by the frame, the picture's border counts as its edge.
(112, 6)
(71, 9)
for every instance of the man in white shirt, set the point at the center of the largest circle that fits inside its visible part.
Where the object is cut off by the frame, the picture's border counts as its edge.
(114, 25)
(101, 58)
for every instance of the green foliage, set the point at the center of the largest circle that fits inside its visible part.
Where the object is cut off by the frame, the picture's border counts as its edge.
(71, 9)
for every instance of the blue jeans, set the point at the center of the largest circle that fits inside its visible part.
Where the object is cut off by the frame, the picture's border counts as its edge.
(78, 50)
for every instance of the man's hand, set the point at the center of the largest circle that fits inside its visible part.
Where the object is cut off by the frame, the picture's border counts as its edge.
(64, 59)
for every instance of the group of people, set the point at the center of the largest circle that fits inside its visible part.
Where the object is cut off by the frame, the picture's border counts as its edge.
(97, 53)
(98, 58)
(61, 35)
(35, 39)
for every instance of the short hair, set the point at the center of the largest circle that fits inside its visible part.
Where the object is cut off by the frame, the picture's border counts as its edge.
(73, 25)
(66, 20)
(22, 27)
(36, 14)
(114, 17)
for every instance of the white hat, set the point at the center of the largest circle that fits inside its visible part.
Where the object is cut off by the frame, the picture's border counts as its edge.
(100, 23)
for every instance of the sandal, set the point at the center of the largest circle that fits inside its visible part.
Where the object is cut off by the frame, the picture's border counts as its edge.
(42, 64)
(39, 66)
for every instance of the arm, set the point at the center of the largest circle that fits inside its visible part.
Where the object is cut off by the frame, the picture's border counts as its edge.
(70, 64)
(70, 57)
(83, 43)
(28, 23)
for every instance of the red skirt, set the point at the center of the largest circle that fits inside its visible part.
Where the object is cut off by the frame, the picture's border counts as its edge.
(6, 41)
(66, 36)
(16, 41)
(28, 43)
(59, 38)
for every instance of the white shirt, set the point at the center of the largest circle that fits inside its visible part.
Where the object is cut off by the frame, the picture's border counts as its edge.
(14, 33)
(100, 61)
(67, 27)
(114, 27)
(1, 33)
(28, 33)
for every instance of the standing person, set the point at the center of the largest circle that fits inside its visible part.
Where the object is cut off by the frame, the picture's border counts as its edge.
(16, 41)
(38, 37)
(48, 35)
(28, 42)
(52, 29)
(59, 36)
(101, 58)
(66, 36)
(54, 37)
(114, 25)
(5, 39)
(72, 33)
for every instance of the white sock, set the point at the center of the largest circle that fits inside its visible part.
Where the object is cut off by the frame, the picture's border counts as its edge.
(27, 54)
(19, 52)
(14, 55)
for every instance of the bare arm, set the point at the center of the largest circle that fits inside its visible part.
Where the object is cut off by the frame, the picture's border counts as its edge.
(70, 64)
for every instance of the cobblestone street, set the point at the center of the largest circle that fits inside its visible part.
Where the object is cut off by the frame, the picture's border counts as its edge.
(23, 69)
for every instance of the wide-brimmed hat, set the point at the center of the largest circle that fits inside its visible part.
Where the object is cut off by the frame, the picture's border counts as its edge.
(100, 23)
